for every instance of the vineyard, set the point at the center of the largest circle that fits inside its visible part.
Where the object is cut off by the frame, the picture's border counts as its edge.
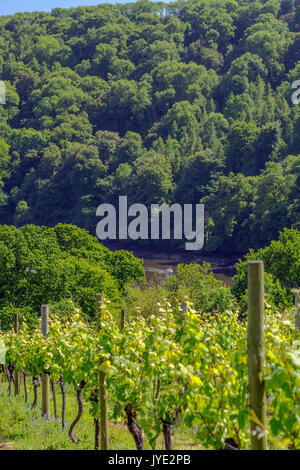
(178, 368)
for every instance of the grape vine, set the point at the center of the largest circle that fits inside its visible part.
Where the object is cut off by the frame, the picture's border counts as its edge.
(167, 370)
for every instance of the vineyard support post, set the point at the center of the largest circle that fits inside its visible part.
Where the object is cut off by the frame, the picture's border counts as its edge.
(122, 319)
(17, 374)
(102, 391)
(256, 354)
(184, 309)
(45, 376)
(3, 365)
(297, 305)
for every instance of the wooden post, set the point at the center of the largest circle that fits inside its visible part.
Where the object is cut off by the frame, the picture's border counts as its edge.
(122, 319)
(184, 309)
(297, 305)
(102, 391)
(256, 354)
(0, 364)
(0, 358)
(17, 374)
(45, 376)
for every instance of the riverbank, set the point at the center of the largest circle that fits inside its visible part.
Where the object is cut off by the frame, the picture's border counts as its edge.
(158, 259)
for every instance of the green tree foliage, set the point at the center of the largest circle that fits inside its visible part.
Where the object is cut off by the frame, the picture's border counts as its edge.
(199, 284)
(4, 158)
(185, 101)
(282, 265)
(47, 265)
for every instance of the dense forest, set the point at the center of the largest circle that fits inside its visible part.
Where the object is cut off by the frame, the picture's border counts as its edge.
(182, 102)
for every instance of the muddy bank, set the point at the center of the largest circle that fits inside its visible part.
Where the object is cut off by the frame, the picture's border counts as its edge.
(223, 269)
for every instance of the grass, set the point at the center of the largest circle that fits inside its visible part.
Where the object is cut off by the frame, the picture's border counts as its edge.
(23, 428)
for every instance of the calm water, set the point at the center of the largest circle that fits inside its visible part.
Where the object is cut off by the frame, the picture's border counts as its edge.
(157, 260)
(156, 266)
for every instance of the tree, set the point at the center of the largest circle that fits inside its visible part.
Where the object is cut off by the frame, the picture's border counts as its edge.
(241, 146)
(196, 174)
(128, 105)
(281, 261)
(229, 205)
(22, 214)
(4, 159)
(152, 181)
(242, 71)
(40, 265)
(207, 56)
(297, 12)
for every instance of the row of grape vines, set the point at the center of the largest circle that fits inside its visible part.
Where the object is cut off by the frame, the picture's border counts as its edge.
(169, 370)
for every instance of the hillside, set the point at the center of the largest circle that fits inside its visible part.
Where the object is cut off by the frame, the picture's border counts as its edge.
(181, 102)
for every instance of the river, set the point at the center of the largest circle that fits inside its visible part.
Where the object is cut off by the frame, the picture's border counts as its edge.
(157, 260)
(157, 266)
(223, 268)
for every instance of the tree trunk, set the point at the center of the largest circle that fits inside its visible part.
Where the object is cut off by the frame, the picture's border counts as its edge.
(36, 383)
(231, 444)
(167, 435)
(4, 370)
(80, 411)
(94, 399)
(178, 409)
(25, 386)
(54, 397)
(157, 389)
(134, 428)
(63, 392)
(97, 432)
(10, 369)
